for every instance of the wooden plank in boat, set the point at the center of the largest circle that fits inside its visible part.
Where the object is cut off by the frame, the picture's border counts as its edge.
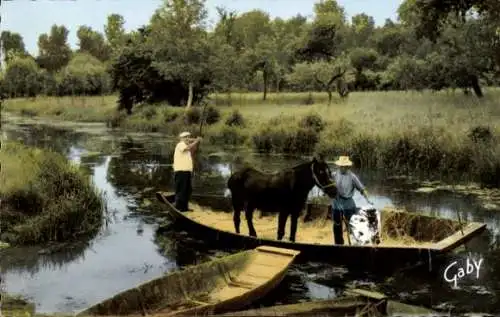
(457, 239)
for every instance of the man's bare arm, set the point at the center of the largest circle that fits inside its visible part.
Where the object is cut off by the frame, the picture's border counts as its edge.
(193, 144)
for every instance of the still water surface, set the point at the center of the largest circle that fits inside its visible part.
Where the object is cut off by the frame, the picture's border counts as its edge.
(130, 250)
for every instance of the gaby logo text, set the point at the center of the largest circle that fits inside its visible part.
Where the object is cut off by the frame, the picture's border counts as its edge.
(455, 271)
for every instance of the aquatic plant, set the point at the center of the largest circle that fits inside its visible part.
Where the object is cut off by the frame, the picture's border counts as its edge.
(45, 198)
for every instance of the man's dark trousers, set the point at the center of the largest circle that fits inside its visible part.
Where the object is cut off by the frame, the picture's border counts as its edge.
(338, 230)
(183, 189)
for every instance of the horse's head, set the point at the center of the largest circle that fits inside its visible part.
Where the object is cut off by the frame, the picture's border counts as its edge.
(321, 176)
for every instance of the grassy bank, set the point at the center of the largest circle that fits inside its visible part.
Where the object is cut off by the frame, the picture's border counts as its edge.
(404, 132)
(44, 198)
(16, 306)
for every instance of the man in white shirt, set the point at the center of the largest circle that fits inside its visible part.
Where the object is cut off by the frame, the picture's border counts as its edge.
(183, 169)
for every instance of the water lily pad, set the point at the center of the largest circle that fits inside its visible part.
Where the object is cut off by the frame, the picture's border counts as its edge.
(145, 203)
(91, 154)
(218, 154)
(491, 206)
(425, 189)
(147, 189)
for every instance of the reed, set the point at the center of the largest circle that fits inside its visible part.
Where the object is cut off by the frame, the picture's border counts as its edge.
(44, 198)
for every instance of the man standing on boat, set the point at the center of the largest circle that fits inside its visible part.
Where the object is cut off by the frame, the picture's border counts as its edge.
(343, 204)
(183, 169)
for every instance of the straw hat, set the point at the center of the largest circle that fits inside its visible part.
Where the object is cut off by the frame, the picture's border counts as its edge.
(184, 134)
(343, 161)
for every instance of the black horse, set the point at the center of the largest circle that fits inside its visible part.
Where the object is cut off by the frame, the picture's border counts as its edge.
(284, 192)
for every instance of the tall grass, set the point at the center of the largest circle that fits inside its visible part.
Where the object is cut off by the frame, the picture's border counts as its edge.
(443, 133)
(44, 198)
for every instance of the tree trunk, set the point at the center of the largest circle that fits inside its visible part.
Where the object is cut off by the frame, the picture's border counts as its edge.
(476, 87)
(278, 96)
(229, 97)
(265, 78)
(330, 97)
(190, 95)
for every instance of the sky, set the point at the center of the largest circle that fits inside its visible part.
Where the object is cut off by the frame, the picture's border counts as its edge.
(31, 18)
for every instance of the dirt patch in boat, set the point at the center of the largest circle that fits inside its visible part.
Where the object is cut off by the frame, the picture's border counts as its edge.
(319, 231)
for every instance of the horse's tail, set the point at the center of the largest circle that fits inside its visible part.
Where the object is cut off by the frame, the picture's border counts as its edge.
(235, 190)
(234, 183)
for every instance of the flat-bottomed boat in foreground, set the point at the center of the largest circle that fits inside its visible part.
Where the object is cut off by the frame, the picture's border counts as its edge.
(226, 284)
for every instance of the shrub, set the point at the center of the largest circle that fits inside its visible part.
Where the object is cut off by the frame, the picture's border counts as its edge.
(192, 116)
(169, 116)
(235, 119)
(229, 136)
(149, 113)
(480, 134)
(116, 119)
(212, 115)
(308, 100)
(312, 121)
(288, 139)
(44, 198)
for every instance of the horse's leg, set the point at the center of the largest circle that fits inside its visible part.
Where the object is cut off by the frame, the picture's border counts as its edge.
(237, 207)
(283, 215)
(293, 224)
(249, 215)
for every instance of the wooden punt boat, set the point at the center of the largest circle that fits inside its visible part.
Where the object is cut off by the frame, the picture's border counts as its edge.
(354, 302)
(407, 238)
(225, 284)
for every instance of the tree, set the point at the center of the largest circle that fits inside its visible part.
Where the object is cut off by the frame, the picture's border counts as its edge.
(115, 32)
(54, 51)
(322, 74)
(467, 42)
(93, 43)
(254, 35)
(228, 68)
(226, 28)
(362, 28)
(406, 73)
(136, 80)
(84, 75)
(469, 50)
(179, 42)
(22, 77)
(286, 32)
(251, 26)
(363, 59)
(433, 14)
(12, 43)
(389, 39)
(326, 34)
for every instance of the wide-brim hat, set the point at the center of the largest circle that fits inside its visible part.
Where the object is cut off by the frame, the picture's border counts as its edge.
(343, 161)
(184, 134)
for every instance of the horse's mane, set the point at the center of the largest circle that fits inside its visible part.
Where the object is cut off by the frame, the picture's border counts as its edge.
(300, 165)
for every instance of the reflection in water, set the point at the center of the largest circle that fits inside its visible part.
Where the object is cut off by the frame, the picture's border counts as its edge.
(123, 256)
(118, 259)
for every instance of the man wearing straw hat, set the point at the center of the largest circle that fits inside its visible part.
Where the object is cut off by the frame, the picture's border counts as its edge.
(183, 169)
(343, 205)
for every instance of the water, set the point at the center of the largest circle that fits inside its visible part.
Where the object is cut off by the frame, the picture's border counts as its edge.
(131, 250)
